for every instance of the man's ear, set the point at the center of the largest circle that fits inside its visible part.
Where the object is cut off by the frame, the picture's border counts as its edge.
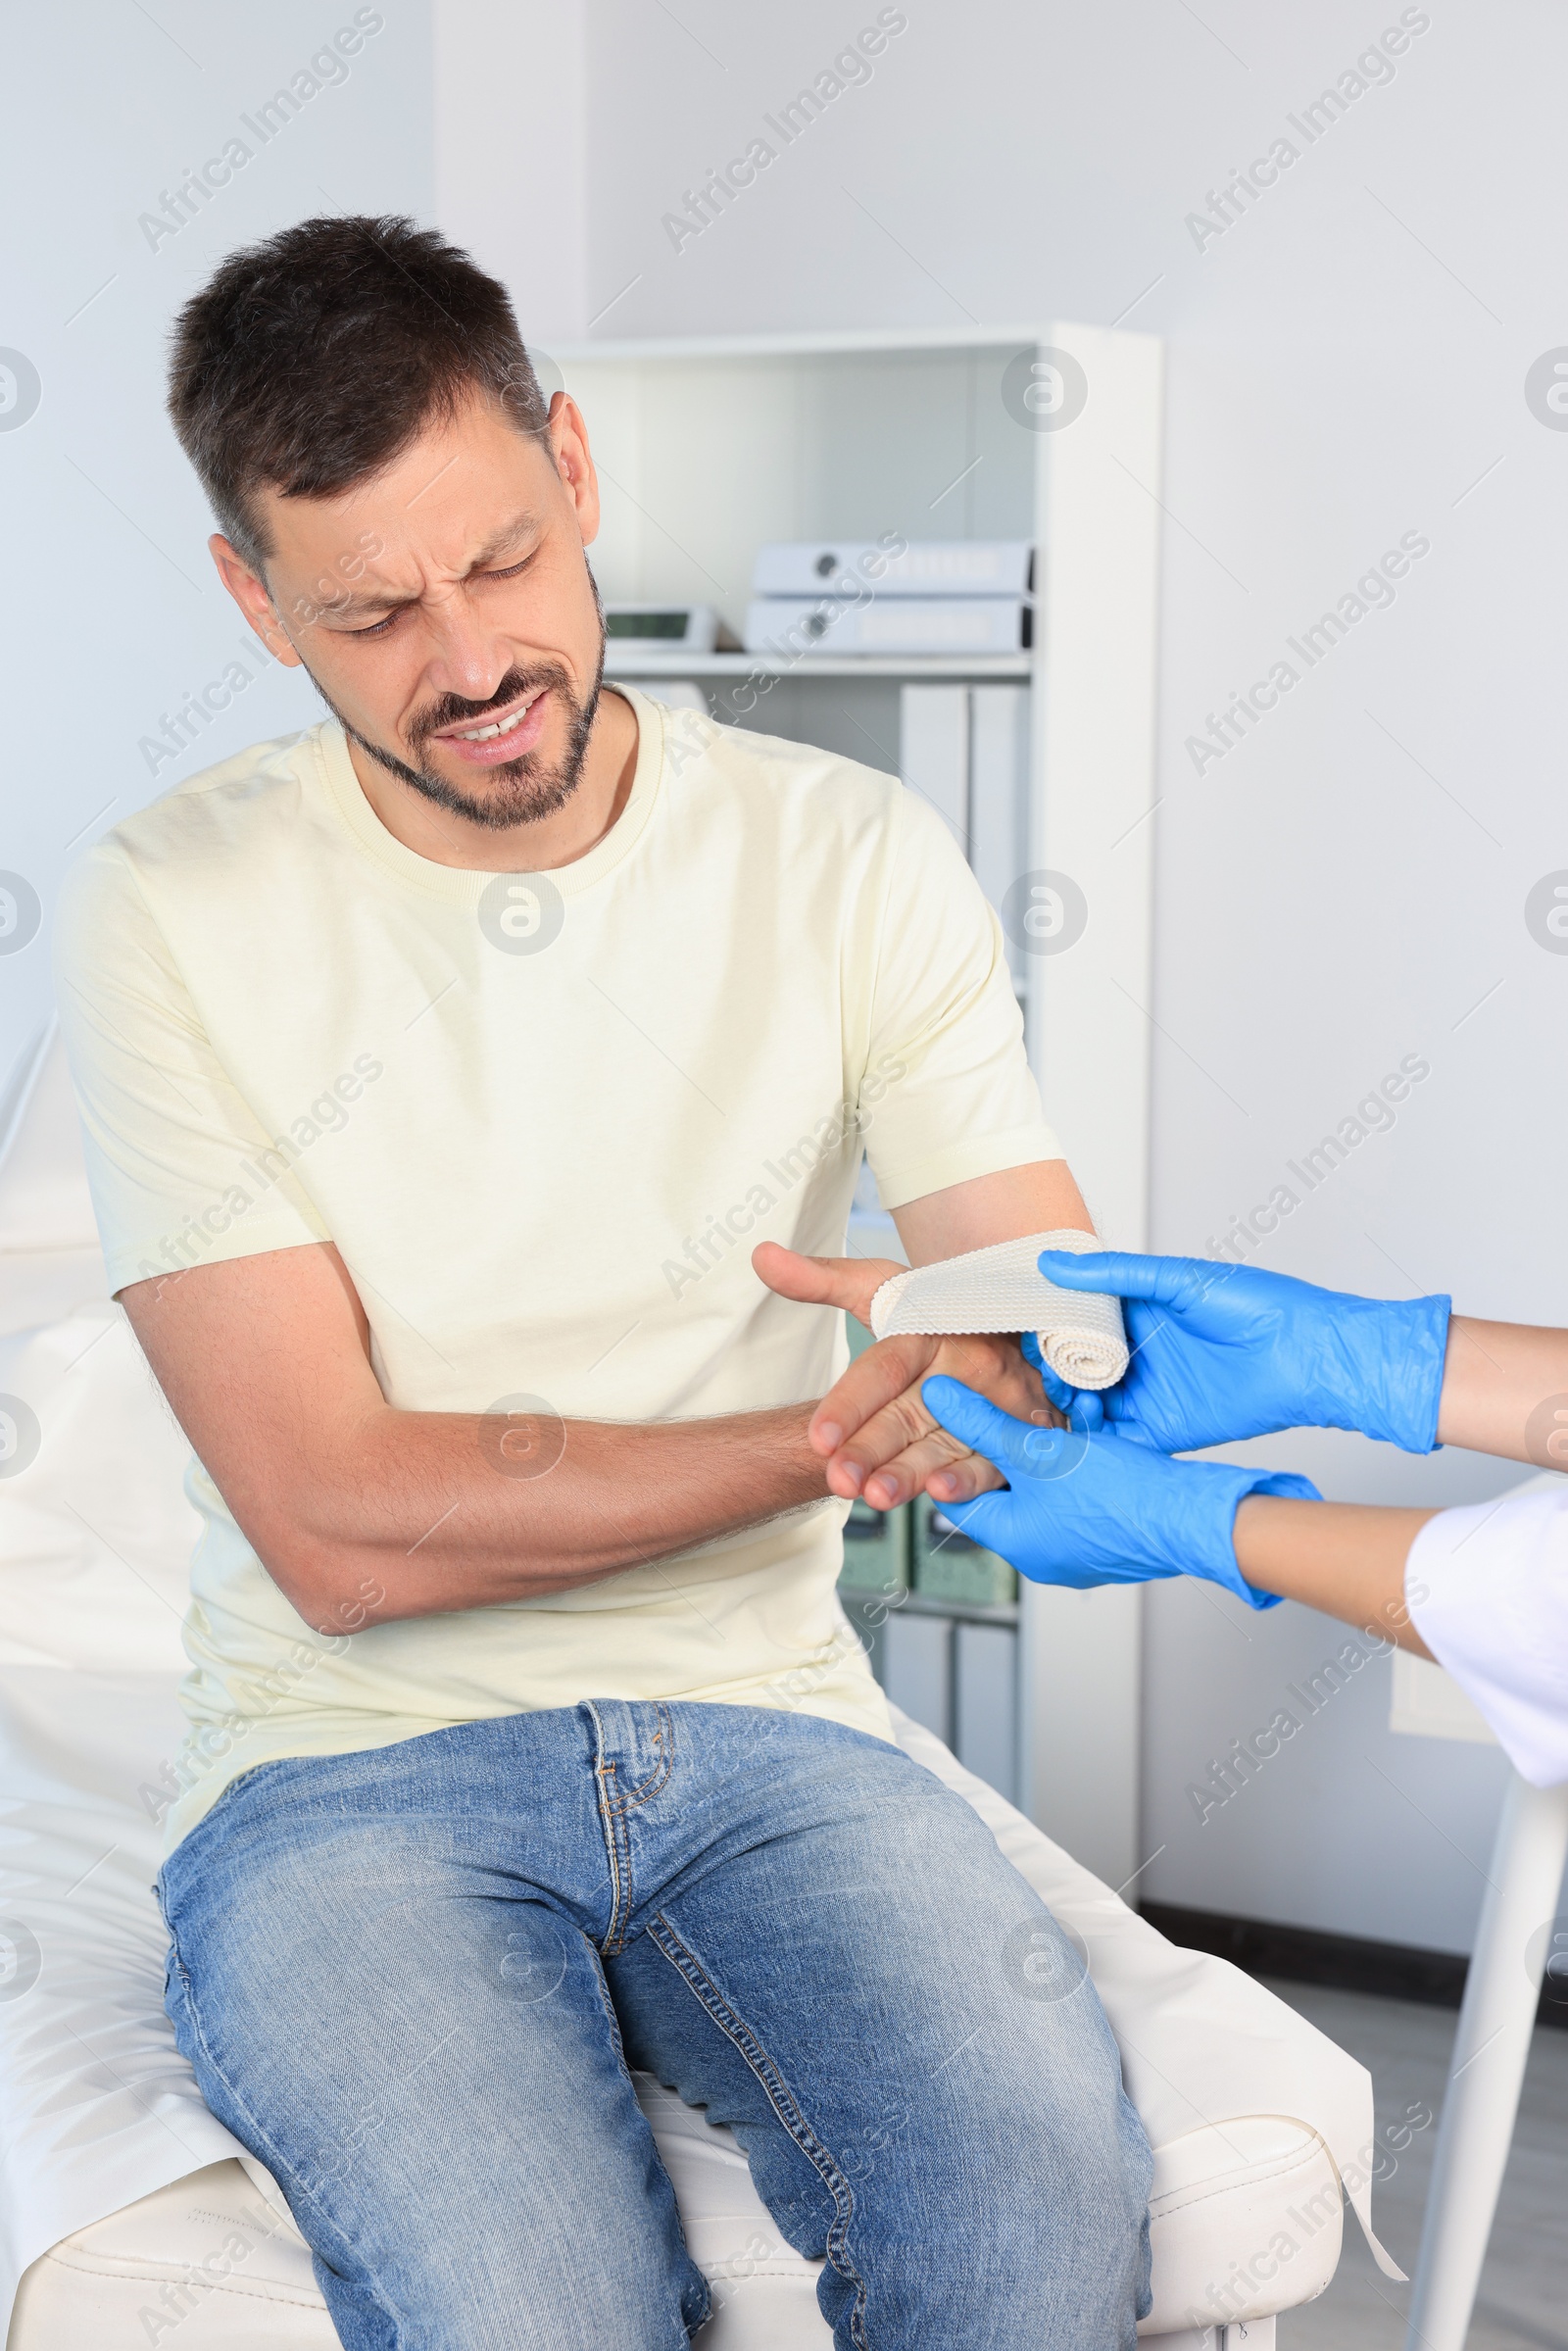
(573, 461)
(254, 598)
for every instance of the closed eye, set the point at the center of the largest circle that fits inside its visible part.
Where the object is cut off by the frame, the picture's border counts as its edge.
(379, 628)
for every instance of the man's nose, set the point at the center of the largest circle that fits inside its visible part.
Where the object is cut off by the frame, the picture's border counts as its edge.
(468, 657)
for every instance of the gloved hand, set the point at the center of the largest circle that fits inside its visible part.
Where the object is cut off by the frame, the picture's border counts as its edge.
(1085, 1506)
(1223, 1351)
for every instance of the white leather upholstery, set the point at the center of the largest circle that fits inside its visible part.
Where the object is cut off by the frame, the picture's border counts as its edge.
(213, 2256)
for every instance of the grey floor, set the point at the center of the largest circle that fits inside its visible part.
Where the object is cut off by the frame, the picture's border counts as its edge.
(1523, 2304)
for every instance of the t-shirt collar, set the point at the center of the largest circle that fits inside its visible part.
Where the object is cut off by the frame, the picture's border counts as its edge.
(346, 799)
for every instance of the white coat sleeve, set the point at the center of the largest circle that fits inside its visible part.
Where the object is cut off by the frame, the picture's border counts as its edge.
(1487, 1587)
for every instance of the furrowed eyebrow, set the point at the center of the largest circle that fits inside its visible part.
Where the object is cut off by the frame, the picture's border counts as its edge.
(363, 605)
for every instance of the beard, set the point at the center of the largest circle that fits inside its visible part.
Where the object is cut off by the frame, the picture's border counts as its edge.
(517, 791)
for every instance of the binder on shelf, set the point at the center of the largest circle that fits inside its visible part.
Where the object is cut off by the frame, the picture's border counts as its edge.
(917, 1669)
(984, 1705)
(926, 568)
(934, 751)
(877, 1552)
(966, 627)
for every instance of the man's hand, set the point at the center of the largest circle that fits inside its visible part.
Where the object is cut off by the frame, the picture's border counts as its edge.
(880, 1444)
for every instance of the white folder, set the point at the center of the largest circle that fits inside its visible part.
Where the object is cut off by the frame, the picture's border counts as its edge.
(925, 568)
(984, 1705)
(839, 622)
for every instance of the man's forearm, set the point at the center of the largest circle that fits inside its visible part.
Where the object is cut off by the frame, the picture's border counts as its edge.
(442, 1511)
(1347, 1558)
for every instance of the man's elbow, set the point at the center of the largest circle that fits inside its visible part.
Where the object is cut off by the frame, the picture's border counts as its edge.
(332, 1585)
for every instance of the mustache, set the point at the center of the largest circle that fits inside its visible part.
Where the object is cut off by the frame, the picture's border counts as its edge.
(451, 710)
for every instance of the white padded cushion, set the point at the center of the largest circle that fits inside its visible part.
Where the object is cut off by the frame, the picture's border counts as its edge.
(214, 2255)
(204, 2263)
(1258, 2195)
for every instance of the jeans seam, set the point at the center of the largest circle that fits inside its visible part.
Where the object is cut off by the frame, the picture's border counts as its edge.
(613, 1811)
(779, 2097)
(617, 2043)
(276, 2164)
(617, 1850)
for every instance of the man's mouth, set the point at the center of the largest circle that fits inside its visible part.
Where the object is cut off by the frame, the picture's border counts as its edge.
(505, 735)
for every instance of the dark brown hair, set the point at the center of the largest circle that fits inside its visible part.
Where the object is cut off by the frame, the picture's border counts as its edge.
(311, 361)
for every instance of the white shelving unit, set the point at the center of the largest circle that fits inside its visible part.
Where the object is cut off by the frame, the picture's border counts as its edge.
(709, 446)
(635, 661)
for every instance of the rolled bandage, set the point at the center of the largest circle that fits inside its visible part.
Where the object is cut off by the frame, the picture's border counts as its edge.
(1002, 1289)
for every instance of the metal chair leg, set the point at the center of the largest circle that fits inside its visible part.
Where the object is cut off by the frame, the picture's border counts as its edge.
(1487, 2071)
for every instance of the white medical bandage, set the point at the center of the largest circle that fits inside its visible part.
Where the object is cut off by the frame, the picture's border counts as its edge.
(1002, 1289)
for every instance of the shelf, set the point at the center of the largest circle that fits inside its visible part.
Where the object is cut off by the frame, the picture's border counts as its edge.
(920, 1603)
(837, 341)
(630, 662)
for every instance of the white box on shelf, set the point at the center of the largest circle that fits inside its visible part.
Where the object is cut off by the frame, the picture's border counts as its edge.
(901, 624)
(934, 751)
(671, 627)
(925, 568)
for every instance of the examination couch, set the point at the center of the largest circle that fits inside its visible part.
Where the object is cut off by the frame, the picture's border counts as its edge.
(130, 2214)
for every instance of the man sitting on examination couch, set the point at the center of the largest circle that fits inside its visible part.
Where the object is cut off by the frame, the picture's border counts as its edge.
(432, 1063)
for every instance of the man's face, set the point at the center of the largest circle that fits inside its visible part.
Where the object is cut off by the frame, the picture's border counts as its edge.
(446, 612)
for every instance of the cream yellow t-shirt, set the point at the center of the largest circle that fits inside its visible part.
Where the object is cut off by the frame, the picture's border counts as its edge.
(545, 1120)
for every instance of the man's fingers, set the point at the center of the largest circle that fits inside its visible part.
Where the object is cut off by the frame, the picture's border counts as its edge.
(962, 1480)
(847, 1282)
(876, 1378)
(976, 1423)
(934, 1460)
(881, 1440)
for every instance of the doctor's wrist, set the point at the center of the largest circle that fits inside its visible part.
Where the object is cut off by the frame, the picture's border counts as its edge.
(1394, 1353)
(1346, 1559)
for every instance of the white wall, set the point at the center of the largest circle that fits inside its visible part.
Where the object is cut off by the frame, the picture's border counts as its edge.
(511, 108)
(113, 615)
(1346, 885)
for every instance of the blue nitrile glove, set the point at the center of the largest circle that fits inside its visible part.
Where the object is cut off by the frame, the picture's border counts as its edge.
(1087, 1506)
(1223, 1351)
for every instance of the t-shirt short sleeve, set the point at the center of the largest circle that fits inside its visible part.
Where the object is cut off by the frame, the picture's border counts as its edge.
(1487, 1590)
(948, 1093)
(178, 1165)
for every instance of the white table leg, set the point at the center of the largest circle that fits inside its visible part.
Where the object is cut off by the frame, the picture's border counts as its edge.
(1490, 2051)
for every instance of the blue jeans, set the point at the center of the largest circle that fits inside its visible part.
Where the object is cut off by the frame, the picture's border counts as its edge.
(412, 1981)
